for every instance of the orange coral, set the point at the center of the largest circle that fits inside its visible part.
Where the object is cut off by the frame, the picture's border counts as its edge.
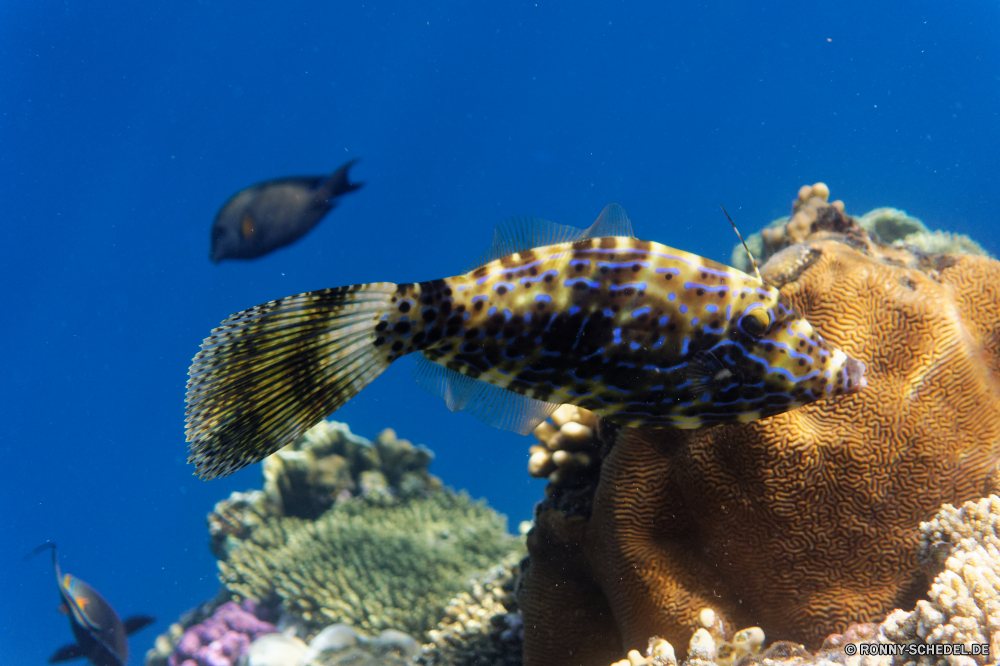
(804, 522)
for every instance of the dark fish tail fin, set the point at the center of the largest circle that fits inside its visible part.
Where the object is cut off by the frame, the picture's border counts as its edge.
(337, 184)
(137, 622)
(267, 374)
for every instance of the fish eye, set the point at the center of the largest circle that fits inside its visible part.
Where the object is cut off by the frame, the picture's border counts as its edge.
(755, 322)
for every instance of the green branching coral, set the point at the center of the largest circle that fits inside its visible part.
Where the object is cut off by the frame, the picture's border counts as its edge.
(374, 564)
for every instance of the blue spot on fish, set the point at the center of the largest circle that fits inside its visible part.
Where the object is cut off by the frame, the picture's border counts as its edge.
(607, 312)
(480, 298)
(573, 310)
(623, 264)
(640, 311)
(574, 281)
(545, 298)
(684, 309)
(539, 278)
(492, 311)
(618, 336)
(711, 308)
(684, 346)
(633, 346)
(664, 320)
(671, 297)
(631, 285)
(659, 343)
(506, 285)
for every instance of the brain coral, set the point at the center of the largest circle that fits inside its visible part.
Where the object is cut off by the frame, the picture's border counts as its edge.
(804, 522)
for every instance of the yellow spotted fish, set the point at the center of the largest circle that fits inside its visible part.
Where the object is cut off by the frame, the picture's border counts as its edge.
(640, 333)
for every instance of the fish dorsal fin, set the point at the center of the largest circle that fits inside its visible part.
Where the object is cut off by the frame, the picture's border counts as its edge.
(516, 234)
(611, 222)
(493, 405)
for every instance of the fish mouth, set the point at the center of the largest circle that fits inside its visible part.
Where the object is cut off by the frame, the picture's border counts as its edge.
(854, 376)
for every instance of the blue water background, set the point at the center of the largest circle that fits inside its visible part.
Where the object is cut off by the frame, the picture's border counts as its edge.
(124, 126)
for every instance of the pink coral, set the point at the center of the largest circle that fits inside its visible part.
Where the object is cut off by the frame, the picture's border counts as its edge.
(222, 638)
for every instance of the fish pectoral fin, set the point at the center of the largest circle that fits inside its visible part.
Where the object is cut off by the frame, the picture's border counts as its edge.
(248, 226)
(493, 405)
(703, 366)
(611, 222)
(67, 653)
(137, 623)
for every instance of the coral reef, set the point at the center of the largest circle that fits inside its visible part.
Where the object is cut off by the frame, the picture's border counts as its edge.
(327, 464)
(568, 454)
(480, 626)
(342, 645)
(328, 461)
(887, 225)
(804, 522)
(894, 226)
(961, 548)
(375, 566)
(221, 639)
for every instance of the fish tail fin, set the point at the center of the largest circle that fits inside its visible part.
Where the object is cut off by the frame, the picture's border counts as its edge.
(338, 184)
(267, 374)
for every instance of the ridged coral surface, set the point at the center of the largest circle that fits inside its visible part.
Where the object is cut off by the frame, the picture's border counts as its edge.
(804, 522)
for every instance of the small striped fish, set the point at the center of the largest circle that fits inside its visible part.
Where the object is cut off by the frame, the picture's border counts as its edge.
(638, 332)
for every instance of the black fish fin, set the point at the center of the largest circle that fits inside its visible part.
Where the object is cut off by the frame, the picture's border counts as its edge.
(137, 623)
(611, 222)
(493, 405)
(67, 653)
(337, 183)
(267, 374)
(524, 232)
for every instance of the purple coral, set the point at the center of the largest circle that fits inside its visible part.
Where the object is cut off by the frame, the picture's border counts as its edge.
(221, 639)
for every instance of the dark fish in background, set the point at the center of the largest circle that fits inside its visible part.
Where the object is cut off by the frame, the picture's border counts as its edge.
(640, 333)
(274, 213)
(100, 635)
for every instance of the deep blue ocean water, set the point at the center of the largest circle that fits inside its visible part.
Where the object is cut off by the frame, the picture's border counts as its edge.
(124, 126)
